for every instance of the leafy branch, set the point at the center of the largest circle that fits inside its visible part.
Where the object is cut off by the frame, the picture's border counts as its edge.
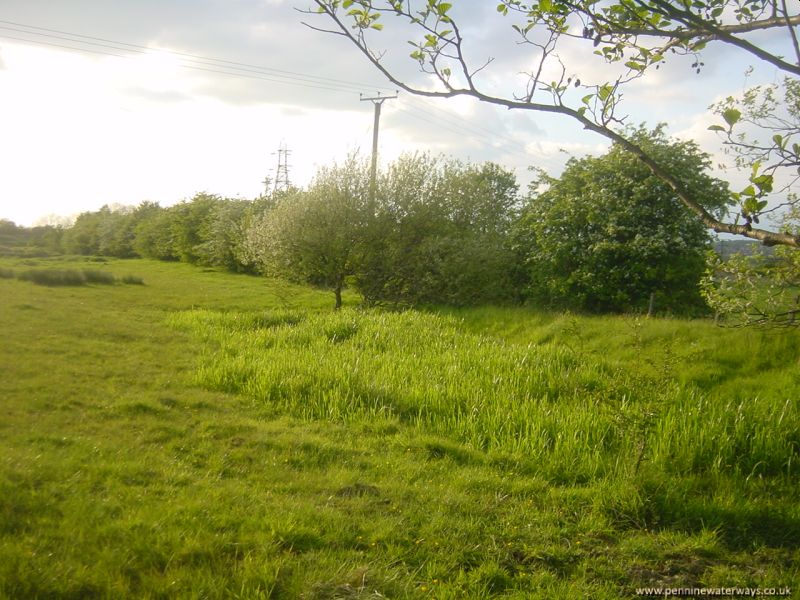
(614, 30)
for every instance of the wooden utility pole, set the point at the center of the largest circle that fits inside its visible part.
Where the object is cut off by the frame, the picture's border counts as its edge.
(377, 101)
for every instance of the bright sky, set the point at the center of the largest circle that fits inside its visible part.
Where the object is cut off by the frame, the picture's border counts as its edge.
(106, 101)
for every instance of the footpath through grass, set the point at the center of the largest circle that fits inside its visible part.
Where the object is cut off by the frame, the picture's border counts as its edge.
(222, 436)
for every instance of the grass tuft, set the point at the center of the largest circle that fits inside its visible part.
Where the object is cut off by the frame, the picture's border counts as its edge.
(54, 277)
(100, 277)
(132, 280)
(66, 277)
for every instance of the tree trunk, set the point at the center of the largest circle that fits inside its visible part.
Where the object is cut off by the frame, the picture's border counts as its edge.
(651, 306)
(338, 291)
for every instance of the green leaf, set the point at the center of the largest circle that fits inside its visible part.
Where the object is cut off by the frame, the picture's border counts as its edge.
(731, 116)
(778, 139)
(502, 9)
(750, 205)
(604, 92)
(443, 8)
(634, 66)
(377, 26)
(764, 182)
(716, 128)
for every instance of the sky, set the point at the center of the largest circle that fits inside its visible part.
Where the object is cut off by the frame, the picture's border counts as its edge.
(122, 101)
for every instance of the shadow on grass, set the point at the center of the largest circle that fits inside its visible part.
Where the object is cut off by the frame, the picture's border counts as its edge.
(738, 523)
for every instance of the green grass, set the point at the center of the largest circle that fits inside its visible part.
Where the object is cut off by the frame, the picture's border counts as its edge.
(222, 436)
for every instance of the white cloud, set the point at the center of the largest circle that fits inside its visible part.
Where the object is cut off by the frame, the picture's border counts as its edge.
(81, 130)
(78, 137)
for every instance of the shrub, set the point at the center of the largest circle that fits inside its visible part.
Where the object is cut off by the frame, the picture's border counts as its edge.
(6, 273)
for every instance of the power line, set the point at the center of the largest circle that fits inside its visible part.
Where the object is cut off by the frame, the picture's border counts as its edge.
(458, 124)
(186, 66)
(220, 66)
(459, 121)
(210, 61)
(433, 120)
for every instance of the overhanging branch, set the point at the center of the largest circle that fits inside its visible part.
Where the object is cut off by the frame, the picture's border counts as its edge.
(769, 238)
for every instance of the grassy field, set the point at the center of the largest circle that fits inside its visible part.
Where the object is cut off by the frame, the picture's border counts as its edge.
(209, 435)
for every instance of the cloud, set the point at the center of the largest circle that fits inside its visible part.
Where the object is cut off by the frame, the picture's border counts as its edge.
(155, 96)
(229, 80)
(224, 45)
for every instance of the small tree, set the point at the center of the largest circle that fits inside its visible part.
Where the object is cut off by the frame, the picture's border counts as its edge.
(153, 234)
(83, 236)
(222, 233)
(190, 225)
(609, 235)
(439, 233)
(315, 236)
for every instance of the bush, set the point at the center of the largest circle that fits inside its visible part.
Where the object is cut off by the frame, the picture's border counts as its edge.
(609, 236)
(6, 273)
(132, 280)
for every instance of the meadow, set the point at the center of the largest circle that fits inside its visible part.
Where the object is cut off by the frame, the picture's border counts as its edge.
(210, 435)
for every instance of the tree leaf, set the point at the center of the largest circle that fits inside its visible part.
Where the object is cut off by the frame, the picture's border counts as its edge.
(731, 116)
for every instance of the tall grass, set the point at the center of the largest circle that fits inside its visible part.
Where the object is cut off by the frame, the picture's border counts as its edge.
(66, 277)
(120, 478)
(573, 415)
(71, 277)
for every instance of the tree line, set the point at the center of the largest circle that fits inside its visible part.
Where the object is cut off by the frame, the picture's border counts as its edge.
(605, 236)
